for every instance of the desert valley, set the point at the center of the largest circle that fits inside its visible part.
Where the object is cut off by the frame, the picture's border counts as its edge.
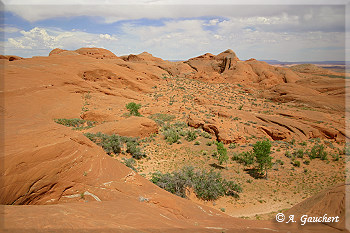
(96, 142)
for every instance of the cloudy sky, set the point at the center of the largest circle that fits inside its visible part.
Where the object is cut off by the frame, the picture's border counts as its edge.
(179, 29)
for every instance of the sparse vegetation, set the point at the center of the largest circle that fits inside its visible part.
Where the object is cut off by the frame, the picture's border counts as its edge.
(130, 163)
(77, 123)
(133, 148)
(133, 108)
(112, 144)
(208, 185)
(317, 151)
(246, 158)
(161, 118)
(171, 136)
(191, 135)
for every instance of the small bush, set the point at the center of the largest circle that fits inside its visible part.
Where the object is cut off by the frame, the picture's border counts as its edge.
(130, 163)
(306, 162)
(317, 151)
(335, 156)
(222, 153)
(232, 146)
(110, 144)
(133, 108)
(246, 158)
(206, 135)
(296, 163)
(209, 143)
(278, 161)
(191, 135)
(207, 185)
(171, 136)
(303, 143)
(161, 118)
(179, 125)
(134, 150)
(75, 122)
(197, 143)
(288, 154)
(299, 153)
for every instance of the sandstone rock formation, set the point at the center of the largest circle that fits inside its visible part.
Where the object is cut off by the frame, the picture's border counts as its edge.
(130, 127)
(50, 167)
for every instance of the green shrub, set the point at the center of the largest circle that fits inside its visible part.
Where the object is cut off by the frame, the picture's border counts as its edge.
(296, 163)
(288, 154)
(303, 143)
(292, 142)
(133, 108)
(130, 163)
(75, 122)
(278, 161)
(179, 125)
(210, 143)
(299, 153)
(111, 144)
(161, 118)
(317, 151)
(222, 153)
(306, 162)
(335, 156)
(347, 149)
(206, 135)
(207, 185)
(191, 135)
(246, 158)
(134, 150)
(232, 146)
(171, 136)
(197, 143)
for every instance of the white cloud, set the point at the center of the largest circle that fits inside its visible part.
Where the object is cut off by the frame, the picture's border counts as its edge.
(109, 12)
(260, 37)
(212, 22)
(8, 29)
(107, 37)
(41, 41)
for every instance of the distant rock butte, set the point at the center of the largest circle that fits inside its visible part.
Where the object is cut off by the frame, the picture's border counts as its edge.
(97, 53)
(10, 57)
